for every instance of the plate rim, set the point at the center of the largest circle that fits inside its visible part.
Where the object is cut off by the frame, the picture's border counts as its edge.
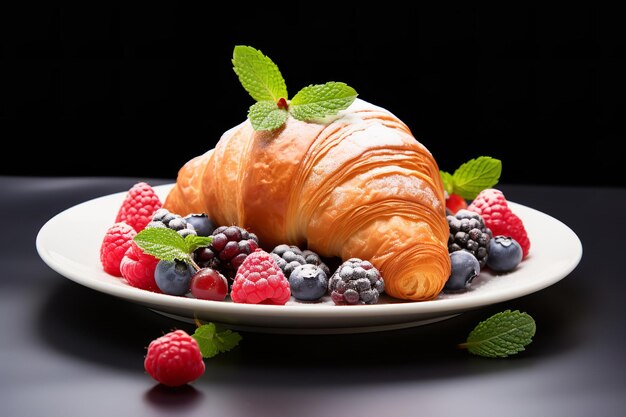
(402, 308)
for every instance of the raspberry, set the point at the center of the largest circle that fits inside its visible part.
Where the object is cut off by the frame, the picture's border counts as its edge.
(259, 280)
(356, 282)
(498, 217)
(116, 242)
(174, 359)
(139, 206)
(455, 202)
(138, 268)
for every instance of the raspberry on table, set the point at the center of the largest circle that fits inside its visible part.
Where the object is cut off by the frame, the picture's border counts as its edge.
(138, 268)
(139, 206)
(468, 232)
(259, 280)
(356, 282)
(498, 217)
(174, 359)
(116, 242)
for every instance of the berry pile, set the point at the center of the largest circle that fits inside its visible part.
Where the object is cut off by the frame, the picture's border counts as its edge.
(486, 234)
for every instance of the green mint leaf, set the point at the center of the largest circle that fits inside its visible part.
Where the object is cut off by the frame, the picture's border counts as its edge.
(501, 335)
(448, 181)
(321, 100)
(212, 342)
(476, 175)
(194, 242)
(162, 243)
(258, 74)
(266, 115)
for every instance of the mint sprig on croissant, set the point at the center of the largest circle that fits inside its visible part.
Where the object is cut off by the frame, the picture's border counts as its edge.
(262, 79)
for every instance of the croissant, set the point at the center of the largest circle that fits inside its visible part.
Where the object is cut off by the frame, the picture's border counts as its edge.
(358, 186)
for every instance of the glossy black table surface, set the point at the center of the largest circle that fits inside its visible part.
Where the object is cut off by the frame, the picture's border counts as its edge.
(68, 350)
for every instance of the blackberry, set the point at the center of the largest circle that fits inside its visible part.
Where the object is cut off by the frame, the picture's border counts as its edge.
(468, 232)
(230, 246)
(356, 282)
(206, 258)
(164, 219)
(289, 257)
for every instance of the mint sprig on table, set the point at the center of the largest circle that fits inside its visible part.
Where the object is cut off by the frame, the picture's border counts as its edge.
(212, 342)
(472, 177)
(167, 245)
(501, 335)
(262, 79)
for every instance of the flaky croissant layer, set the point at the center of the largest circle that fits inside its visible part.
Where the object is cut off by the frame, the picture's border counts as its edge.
(358, 186)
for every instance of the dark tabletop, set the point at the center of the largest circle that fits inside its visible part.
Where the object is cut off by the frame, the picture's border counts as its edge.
(69, 350)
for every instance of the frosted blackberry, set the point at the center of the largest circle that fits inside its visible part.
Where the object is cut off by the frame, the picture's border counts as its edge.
(164, 219)
(289, 257)
(468, 232)
(356, 282)
(230, 246)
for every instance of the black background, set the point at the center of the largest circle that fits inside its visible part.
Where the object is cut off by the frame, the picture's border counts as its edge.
(139, 91)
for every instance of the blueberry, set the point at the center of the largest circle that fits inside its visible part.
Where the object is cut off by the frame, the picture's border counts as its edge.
(201, 223)
(504, 254)
(173, 277)
(308, 282)
(465, 268)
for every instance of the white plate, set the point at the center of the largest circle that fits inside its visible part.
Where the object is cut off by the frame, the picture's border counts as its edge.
(70, 244)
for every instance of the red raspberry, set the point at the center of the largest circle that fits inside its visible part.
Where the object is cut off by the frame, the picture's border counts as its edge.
(455, 202)
(139, 206)
(138, 268)
(498, 217)
(259, 280)
(174, 359)
(117, 240)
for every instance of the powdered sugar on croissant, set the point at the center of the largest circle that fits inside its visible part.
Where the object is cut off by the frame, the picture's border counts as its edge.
(357, 186)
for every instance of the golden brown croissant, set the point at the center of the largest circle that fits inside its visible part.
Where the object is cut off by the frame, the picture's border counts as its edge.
(359, 186)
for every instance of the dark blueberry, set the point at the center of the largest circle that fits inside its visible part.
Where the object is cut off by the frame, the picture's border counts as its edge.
(173, 277)
(504, 254)
(201, 223)
(308, 282)
(465, 268)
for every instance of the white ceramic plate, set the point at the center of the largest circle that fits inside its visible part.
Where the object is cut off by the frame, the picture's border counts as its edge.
(70, 244)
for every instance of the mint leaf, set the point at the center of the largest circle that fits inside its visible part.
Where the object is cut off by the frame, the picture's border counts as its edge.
(258, 74)
(212, 342)
(162, 243)
(501, 335)
(448, 181)
(321, 100)
(266, 115)
(194, 242)
(476, 175)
